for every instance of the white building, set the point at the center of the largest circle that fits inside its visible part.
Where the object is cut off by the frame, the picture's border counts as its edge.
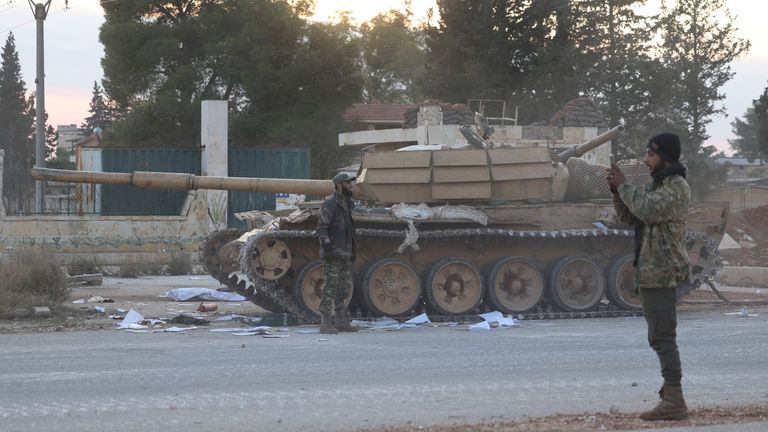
(69, 135)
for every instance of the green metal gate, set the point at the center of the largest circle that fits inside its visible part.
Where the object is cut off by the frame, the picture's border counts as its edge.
(251, 162)
(270, 163)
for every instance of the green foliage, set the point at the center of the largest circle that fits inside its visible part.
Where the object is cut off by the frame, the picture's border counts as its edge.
(747, 132)
(17, 117)
(393, 56)
(698, 48)
(31, 277)
(61, 160)
(287, 80)
(84, 265)
(761, 110)
(103, 111)
(473, 52)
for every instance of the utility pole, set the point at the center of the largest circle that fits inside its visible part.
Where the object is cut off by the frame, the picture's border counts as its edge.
(40, 11)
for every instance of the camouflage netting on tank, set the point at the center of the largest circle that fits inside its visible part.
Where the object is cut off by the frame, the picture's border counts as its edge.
(453, 114)
(585, 181)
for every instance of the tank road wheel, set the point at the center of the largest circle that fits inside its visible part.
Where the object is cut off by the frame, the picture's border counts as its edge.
(390, 287)
(576, 284)
(308, 287)
(515, 285)
(453, 286)
(218, 257)
(621, 284)
(270, 259)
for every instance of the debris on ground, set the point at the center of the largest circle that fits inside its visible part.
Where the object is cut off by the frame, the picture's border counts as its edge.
(86, 279)
(748, 228)
(588, 422)
(93, 299)
(202, 294)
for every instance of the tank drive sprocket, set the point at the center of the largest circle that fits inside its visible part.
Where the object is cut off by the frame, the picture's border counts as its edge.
(219, 258)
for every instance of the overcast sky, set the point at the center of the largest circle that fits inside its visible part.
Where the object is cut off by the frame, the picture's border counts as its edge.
(73, 52)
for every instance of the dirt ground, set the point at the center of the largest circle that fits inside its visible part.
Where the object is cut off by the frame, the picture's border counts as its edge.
(600, 421)
(749, 226)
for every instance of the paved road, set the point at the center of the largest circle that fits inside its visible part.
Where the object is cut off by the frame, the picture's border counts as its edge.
(203, 381)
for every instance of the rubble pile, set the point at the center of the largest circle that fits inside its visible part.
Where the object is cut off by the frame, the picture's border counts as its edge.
(748, 227)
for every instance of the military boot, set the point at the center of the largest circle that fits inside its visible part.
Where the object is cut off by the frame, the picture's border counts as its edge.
(342, 321)
(326, 326)
(671, 407)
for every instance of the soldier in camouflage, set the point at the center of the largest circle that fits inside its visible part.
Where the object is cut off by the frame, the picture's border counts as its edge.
(336, 233)
(658, 213)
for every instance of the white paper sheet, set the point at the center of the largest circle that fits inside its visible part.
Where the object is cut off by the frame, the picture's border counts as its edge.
(185, 294)
(420, 319)
(131, 318)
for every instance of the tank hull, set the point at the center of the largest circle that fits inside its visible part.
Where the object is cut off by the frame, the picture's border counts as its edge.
(522, 262)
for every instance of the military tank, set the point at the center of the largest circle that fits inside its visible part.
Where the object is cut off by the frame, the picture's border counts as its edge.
(451, 232)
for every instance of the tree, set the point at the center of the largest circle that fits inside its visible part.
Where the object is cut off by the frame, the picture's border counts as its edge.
(61, 160)
(747, 144)
(17, 117)
(392, 59)
(613, 41)
(470, 53)
(697, 48)
(287, 80)
(103, 111)
(761, 112)
(321, 80)
(51, 140)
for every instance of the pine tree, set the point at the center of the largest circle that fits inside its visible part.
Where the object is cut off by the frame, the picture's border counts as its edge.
(761, 112)
(51, 140)
(698, 48)
(747, 131)
(17, 116)
(102, 111)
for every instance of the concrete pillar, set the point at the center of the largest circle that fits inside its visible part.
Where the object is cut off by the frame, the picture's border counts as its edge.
(213, 137)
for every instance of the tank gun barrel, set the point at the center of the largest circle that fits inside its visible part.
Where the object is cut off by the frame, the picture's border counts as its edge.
(164, 180)
(579, 150)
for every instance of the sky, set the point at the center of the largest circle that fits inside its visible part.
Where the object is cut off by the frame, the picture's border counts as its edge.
(73, 52)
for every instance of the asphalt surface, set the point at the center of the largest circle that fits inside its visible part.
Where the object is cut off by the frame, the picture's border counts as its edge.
(203, 381)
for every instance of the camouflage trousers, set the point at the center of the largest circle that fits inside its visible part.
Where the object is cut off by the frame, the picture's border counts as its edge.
(659, 306)
(338, 284)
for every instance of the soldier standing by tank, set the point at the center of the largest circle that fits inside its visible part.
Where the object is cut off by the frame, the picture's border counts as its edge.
(336, 233)
(658, 213)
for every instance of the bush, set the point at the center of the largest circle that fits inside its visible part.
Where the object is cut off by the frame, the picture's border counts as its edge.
(151, 269)
(181, 264)
(31, 277)
(129, 270)
(84, 265)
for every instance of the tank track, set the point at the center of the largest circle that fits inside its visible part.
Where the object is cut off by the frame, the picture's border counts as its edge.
(269, 292)
(708, 264)
(234, 281)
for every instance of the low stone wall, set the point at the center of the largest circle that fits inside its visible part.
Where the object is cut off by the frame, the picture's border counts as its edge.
(112, 240)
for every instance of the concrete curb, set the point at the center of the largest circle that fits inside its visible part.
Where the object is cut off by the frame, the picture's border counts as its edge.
(743, 276)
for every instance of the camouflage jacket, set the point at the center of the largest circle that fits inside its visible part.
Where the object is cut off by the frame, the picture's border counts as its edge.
(659, 212)
(335, 228)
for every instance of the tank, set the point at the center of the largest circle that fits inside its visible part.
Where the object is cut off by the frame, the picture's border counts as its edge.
(521, 230)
